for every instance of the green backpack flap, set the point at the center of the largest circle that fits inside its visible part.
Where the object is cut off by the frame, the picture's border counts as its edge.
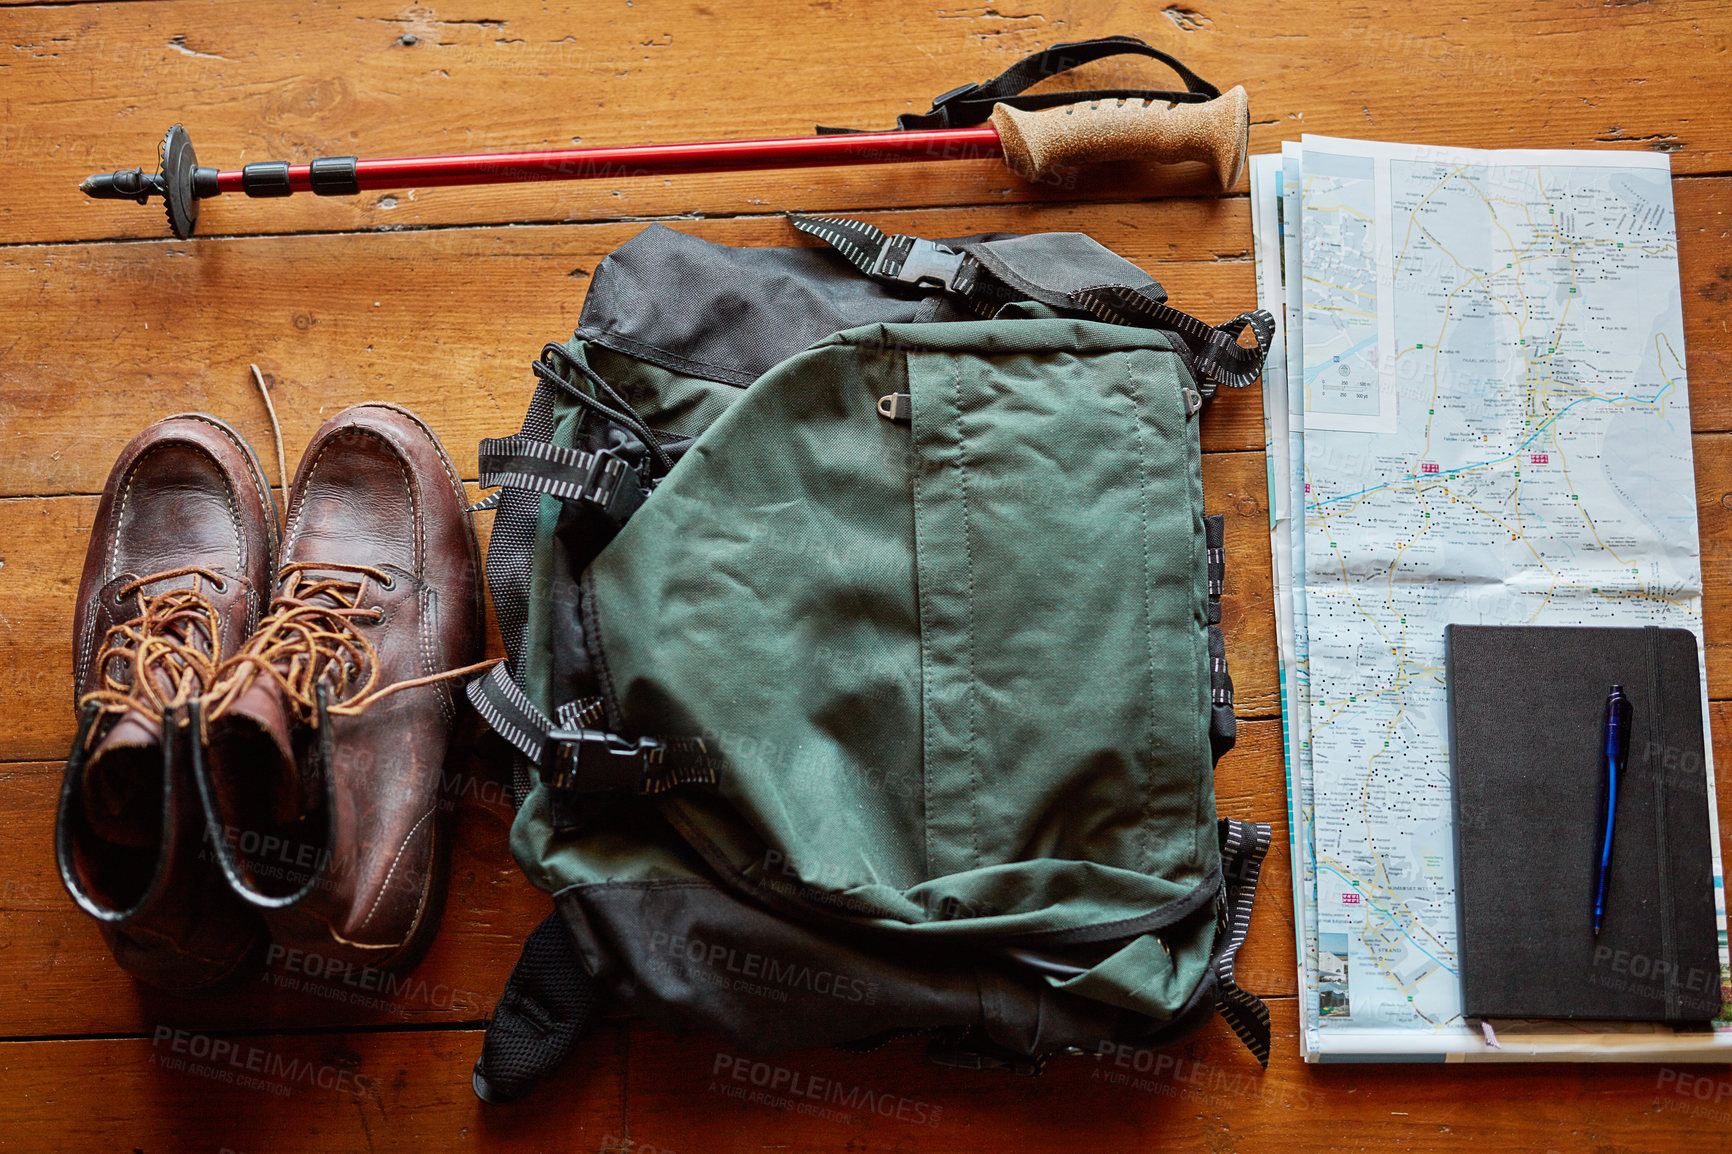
(882, 694)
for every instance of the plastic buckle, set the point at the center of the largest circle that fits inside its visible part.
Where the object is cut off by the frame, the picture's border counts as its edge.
(607, 487)
(588, 760)
(939, 103)
(911, 260)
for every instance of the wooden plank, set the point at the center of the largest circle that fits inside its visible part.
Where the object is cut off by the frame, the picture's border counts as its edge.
(92, 88)
(1714, 519)
(180, 1089)
(444, 322)
(36, 606)
(179, 324)
(1251, 784)
(410, 1092)
(46, 538)
(65, 982)
(111, 337)
(1704, 216)
(1236, 485)
(36, 599)
(700, 1094)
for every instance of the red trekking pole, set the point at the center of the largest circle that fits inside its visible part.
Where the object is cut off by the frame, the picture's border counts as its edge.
(1036, 136)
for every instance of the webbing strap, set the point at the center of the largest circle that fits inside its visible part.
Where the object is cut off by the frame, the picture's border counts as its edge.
(580, 714)
(604, 480)
(1243, 844)
(511, 568)
(919, 263)
(504, 705)
(1223, 726)
(906, 260)
(1215, 555)
(511, 548)
(571, 756)
(1662, 842)
(1221, 359)
(972, 103)
(549, 1003)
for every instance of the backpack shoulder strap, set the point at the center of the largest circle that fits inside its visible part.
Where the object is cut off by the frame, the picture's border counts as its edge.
(1243, 844)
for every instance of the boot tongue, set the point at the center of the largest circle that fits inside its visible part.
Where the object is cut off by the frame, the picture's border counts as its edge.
(122, 789)
(258, 727)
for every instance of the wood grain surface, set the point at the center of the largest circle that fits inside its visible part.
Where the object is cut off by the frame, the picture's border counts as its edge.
(438, 299)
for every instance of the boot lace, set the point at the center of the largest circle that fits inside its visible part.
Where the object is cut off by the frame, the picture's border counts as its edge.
(164, 657)
(309, 638)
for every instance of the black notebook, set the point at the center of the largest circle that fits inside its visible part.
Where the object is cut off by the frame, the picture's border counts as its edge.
(1527, 739)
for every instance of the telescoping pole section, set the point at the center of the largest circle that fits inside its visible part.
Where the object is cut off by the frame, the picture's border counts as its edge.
(346, 175)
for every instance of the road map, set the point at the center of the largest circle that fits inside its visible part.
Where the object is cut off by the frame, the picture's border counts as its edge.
(1481, 417)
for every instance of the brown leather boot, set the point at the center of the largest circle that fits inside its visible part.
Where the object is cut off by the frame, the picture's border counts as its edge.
(180, 562)
(328, 730)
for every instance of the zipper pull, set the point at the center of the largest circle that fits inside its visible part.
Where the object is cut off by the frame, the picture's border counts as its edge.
(897, 408)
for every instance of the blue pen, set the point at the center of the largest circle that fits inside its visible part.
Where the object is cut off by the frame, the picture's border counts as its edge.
(1617, 705)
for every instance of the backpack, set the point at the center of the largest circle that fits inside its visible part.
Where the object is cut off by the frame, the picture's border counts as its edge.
(865, 674)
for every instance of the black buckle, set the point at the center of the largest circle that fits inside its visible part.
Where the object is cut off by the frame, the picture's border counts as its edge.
(613, 486)
(602, 479)
(912, 260)
(588, 760)
(940, 103)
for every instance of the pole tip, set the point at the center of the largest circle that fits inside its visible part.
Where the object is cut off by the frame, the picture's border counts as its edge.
(127, 184)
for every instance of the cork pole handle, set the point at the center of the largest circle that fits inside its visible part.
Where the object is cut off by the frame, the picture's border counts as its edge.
(1216, 132)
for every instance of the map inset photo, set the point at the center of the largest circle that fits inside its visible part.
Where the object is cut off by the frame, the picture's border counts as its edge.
(1332, 976)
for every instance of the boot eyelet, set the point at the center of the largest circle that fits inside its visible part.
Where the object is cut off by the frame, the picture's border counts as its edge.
(390, 582)
(378, 614)
(219, 586)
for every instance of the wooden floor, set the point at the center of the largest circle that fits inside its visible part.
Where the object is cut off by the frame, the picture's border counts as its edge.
(439, 299)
